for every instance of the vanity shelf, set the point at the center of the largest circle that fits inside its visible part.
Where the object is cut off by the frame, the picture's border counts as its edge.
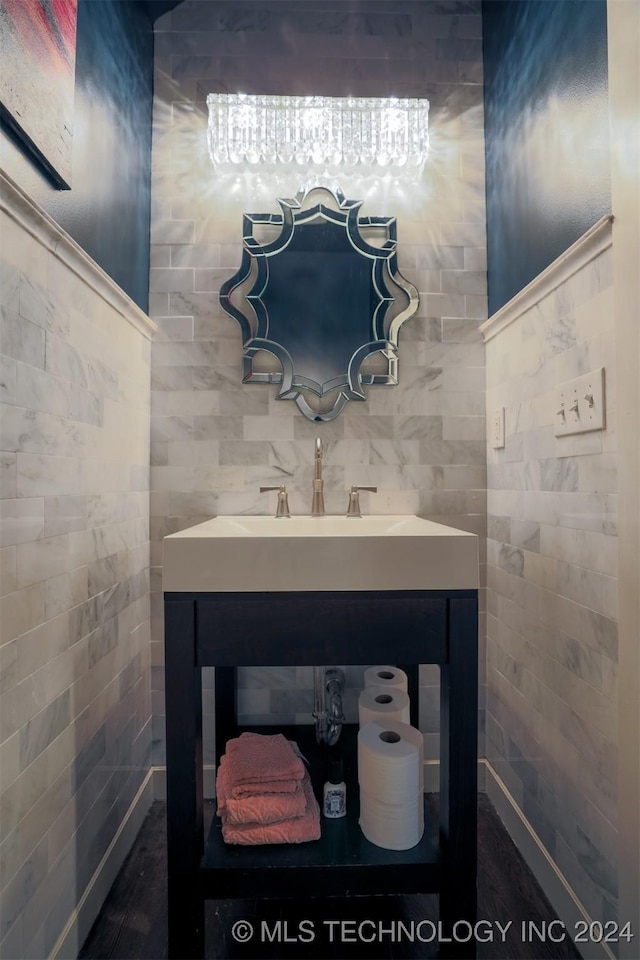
(308, 628)
(355, 864)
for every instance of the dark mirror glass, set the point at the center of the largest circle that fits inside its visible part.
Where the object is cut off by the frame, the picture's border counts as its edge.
(319, 293)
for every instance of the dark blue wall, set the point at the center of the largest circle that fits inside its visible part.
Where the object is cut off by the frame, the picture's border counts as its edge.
(547, 133)
(107, 209)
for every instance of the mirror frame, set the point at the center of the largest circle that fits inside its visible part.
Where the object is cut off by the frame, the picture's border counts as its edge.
(250, 282)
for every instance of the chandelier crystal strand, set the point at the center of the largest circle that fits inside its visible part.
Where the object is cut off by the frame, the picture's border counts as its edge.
(325, 132)
(350, 133)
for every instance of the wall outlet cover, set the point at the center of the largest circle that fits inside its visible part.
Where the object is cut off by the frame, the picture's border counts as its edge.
(497, 428)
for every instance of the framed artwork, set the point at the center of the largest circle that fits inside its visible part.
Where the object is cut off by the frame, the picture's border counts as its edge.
(37, 80)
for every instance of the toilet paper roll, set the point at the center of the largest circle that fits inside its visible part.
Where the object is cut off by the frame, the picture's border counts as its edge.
(390, 761)
(392, 811)
(383, 703)
(392, 826)
(385, 676)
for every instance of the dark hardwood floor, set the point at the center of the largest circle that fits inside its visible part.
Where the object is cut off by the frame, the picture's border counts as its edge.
(132, 924)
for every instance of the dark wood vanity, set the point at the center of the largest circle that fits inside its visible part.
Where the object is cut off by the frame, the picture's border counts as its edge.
(230, 630)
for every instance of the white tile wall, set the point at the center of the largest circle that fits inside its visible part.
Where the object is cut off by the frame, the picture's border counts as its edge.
(75, 714)
(552, 573)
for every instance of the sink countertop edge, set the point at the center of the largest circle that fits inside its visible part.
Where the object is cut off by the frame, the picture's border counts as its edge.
(442, 561)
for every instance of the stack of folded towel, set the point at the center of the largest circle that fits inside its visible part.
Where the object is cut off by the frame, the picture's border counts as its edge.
(264, 792)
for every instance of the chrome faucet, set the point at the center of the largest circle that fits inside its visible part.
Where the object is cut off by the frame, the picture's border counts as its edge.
(317, 502)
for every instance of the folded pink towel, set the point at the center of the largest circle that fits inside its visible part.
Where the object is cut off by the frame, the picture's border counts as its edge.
(260, 808)
(259, 758)
(297, 830)
(259, 789)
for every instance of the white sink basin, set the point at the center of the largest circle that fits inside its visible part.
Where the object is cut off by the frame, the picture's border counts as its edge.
(243, 554)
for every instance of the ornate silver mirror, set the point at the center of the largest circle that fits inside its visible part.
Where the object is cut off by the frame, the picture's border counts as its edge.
(320, 300)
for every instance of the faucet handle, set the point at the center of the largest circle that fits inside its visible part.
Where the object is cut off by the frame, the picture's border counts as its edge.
(282, 509)
(353, 510)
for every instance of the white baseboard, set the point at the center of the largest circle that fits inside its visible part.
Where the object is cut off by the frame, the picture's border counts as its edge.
(554, 884)
(79, 924)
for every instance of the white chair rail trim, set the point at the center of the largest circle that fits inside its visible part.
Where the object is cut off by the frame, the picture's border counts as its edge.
(35, 221)
(590, 245)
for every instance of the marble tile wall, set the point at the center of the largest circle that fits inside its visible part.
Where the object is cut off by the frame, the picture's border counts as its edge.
(75, 713)
(551, 722)
(214, 441)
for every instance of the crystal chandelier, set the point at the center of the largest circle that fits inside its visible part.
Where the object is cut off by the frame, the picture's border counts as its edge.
(327, 132)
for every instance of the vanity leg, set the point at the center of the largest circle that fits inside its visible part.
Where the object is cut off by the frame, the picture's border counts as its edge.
(458, 776)
(185, 837)
(412, 671)
(226, 707)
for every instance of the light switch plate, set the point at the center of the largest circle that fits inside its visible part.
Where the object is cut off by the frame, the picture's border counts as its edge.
(580, 404)
(497, 428)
